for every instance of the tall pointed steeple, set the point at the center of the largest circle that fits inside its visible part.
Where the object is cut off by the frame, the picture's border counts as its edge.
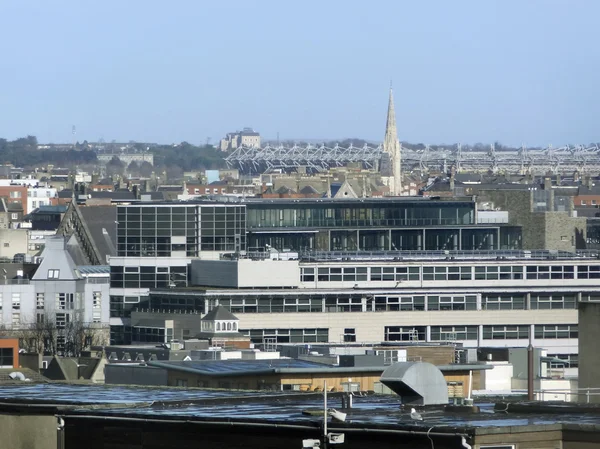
(391, 145)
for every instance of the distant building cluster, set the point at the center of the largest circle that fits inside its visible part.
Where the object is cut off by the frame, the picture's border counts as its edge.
(126, 158)
(246, 137)
(341, 270)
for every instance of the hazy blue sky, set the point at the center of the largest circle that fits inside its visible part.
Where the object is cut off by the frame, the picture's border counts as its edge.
(166, 71)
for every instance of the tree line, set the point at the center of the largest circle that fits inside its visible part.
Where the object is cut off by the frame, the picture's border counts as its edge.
(170, 159)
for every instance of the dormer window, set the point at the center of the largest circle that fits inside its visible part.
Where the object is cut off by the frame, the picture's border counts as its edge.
(218, 326)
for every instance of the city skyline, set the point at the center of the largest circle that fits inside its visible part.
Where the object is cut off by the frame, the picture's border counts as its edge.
(467, 72)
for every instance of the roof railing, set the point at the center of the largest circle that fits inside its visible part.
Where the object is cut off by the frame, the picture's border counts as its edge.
(315, 256)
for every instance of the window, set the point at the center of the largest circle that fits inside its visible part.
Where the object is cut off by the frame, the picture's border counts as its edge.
(64, 301)
(505, 332)
(406, 333)
(556, 331)
(452, 302)
(39, 301)
(15, 194)
(503, 446)
(349, 335)
(6, 357)
(14, 216)
(288, 335)
(182, 382)
(447, 273)
(6, 244)
(16, 301)
(16, 319)
(554, 301)
(593, 202)
(396, 274)
(495, 272)
(583, 202)
(307, 274)
(568, 360)
(61, 320)
(97, 300)
(588, 272)
(391, 356)
(503, 302)
(551, 272)
(53, 274)
(396, 303)
(453, 333)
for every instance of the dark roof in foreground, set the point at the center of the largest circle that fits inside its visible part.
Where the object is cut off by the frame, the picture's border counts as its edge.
(231, 407)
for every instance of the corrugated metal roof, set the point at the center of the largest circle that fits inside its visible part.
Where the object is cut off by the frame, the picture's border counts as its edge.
(94, 269)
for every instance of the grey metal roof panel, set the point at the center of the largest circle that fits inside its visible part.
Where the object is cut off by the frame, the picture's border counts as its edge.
(97, 219)
(94, 269)
(240, 367)
(219, 313)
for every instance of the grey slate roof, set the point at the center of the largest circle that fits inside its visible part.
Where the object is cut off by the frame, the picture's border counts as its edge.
(56, 257)
(219, 313)
(99, 219)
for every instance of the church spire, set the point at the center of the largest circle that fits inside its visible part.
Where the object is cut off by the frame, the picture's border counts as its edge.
(391, 146)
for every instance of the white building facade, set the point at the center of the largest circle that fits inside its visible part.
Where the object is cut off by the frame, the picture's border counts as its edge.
(58, 290)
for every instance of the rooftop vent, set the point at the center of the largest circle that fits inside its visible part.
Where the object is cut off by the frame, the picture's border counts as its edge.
(417, 383)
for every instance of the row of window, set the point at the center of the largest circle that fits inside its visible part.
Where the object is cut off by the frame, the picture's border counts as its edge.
(147, 276)
(448, 273)
(287, 335)
(492, 332)
(395, 303)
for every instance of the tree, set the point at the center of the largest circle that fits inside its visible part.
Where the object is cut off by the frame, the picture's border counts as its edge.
(133, 168)
(46, 336)
(146, 169)
(115, 167)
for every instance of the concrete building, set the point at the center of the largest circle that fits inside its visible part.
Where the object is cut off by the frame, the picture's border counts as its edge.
(41, 196)
(127, 158)
(176, 233)
(56, 289)
(15, 193)
(13, 241)
(589, 357)
(247, 137)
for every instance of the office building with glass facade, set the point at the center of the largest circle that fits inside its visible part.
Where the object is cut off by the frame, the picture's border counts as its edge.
(157, 242)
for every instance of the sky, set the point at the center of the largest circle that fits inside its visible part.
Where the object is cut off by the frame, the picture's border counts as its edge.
(512, 71)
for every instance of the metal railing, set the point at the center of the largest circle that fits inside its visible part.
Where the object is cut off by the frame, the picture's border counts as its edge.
(567, 395)
(15, 281)
(103, 280)
(315, 256)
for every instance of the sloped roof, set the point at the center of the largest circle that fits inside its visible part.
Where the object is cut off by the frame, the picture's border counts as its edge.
(308, 190)
(56, 257)
(284, 190)
(29, 374)
(219, 313)
(121, 194)
(101, 222)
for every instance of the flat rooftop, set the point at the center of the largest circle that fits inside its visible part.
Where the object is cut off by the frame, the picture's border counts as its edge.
(283, 201)
(369, 410)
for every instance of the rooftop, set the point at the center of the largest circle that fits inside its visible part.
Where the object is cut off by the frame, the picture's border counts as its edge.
(280, 201)
(376, 412)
